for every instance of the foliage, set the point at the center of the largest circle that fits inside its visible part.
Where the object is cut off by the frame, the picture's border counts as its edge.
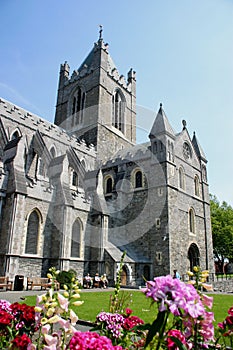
(199, 278)
(183, 321)
(222, 230)
(225, 328)
(140, 305)
(17, 325)
(191, 322)
(49, 325)
(65, 277)
(120, 328)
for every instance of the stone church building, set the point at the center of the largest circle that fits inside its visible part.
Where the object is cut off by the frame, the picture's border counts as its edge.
(78, 193)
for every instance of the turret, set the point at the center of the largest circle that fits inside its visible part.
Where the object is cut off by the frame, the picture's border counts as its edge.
(162, 137)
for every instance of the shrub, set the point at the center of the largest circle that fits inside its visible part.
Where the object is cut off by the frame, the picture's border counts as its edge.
(65, 278)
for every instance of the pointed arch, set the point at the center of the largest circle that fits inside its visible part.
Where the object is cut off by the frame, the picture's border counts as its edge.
(76, 239)
(16, 134)
(191, 220)
(108, 184)
(137, 178)
(124, 275)
(118, 110)
(77, 105)
(193, 256)
(34, 221)
(53, 152)
(181, 178)
(197, 186)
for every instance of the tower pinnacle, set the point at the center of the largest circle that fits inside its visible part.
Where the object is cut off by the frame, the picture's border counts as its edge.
(100, 32)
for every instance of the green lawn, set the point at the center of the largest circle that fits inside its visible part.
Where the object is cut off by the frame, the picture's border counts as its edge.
(95, 302)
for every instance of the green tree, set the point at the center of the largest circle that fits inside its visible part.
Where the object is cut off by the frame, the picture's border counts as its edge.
(222, 231)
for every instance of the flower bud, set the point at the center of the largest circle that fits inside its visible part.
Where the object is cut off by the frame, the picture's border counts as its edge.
(76, 296)
(78, 303)
(38, 309)
(50, 312)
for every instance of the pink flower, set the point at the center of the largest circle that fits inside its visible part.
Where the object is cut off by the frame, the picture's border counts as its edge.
(91, 341)
(220, 325)
(173, 295)
(230, 311)
(4, 305)
(51, 342)
(176, 334)
(207, 301)
(21, 342)
(131, 322)
(64, 303)
(128, 311)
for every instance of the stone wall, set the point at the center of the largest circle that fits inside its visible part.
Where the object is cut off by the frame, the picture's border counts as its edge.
(223, 286)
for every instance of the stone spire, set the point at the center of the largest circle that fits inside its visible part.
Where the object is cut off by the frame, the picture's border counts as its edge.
(161, 125)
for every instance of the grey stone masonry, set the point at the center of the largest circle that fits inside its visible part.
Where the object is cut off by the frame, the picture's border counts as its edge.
(78, 193)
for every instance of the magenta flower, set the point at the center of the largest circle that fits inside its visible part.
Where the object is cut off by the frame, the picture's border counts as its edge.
(91, 341)
(177, 334)
(4, 305)
(113, 323)
(173, 295)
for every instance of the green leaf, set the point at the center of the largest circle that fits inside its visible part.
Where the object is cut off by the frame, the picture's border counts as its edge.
(178, 343)
(155, 327)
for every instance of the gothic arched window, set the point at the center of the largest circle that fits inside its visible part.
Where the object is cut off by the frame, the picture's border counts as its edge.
(191, 221)
(118, 106)
(138, 179)
(76, 239)
(42, 170)
(32, 233)
(53, 152)
(78, 105)
(15, 135)
(196, 186)
(108, 184)
(181, 179)
(74, 179)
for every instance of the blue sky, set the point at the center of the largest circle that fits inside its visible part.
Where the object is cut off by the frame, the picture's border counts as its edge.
(182, 51)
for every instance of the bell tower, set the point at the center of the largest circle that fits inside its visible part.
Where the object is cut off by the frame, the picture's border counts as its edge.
(96, 103)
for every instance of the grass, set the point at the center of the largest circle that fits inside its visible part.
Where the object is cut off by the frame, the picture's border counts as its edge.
(95, 302)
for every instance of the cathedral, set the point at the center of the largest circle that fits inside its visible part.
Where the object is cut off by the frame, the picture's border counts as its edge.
(77, 193)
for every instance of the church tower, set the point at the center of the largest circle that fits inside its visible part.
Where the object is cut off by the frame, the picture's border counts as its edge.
(97, 104)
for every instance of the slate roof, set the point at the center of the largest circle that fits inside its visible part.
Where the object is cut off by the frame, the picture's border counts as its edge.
(198, 148)
(161, 124)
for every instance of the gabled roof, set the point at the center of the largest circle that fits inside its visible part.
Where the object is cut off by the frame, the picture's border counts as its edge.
(116, 253)
(198, 148)
(161, 125)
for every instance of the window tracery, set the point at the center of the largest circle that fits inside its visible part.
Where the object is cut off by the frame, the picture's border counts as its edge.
(118, 109)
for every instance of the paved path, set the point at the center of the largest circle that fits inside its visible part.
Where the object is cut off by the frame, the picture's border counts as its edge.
(20, 296)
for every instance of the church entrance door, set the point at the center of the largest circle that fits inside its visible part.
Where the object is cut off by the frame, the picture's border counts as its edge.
(124, 276)
(194, 256)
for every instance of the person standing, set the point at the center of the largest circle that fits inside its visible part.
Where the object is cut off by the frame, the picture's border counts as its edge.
(176, 274)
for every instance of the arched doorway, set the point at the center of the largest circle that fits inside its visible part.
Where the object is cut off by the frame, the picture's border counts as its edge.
(124, 276)
(193, 256)
(146, 272)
